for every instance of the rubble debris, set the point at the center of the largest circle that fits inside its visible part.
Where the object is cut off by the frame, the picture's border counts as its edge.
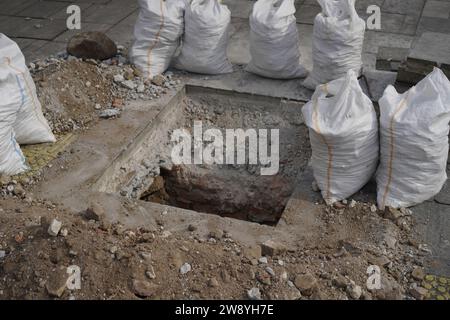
(144, 289)
(354, 291)
(254, 294)
(272, 248)
(54, 228)
(92, 45)
(306, 283)
(185, 268)
(418, 293)
(109, 113)
(57, 283)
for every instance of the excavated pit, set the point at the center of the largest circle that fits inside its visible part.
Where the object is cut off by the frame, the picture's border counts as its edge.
(146, 171)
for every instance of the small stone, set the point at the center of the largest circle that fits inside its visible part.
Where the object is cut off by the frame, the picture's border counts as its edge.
(140, 88)
(113, 249)
(271, 248)
(117, 103)
(166, 234)
(144, 289)
(97, 106)
(118, 78)
(216, 234)
(392, 214)
(354, 291)
(306, 283)
(150, 273)
(147, 256)
(270, 271)
(418, 292)
(95, 212)
(128, 74)
(192, 228)
(352, 204)
(54, 228)
(213, 283)
(128, 84)
(109, 113)
(2, 254)
(64, 232)
(263, 260)
(263, 277)
(315, 186)
(252, 252)
(254, 294)
(185, 268)
(158, 80)
(418, 274)
(57, 283)
(373, 208)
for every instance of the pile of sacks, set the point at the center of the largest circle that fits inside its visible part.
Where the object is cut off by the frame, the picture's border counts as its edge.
(193, 34)
(414, 145)
(21, 118)
(198, 31)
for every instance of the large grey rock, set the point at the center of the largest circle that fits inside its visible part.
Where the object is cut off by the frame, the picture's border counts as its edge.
(92, 45)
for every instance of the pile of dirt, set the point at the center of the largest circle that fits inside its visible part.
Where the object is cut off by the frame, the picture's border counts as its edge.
(116, 263)
(75, 93)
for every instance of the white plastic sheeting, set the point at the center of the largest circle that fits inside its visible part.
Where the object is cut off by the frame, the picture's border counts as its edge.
(338, 38)
(274, 40)
(204, 50)
(414, 142)
(157, 35)
(344, 137)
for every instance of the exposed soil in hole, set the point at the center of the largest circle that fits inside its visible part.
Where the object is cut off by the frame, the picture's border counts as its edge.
(236, 190)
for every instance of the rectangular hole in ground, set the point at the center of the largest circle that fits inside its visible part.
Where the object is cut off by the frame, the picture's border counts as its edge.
(236, 191)
(145, 171)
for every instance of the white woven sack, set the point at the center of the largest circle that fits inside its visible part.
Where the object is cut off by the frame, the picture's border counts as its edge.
(414, 142)
(157, 35)
(30, 126)
(205, 40)
(274, 40)
(344, 137)
(338, 38)
(11, 158)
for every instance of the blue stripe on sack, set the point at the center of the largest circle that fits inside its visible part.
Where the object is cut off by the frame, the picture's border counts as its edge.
(22, 92)
(17, 150)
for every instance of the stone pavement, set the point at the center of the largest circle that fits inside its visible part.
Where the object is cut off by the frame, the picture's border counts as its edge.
(39, 26)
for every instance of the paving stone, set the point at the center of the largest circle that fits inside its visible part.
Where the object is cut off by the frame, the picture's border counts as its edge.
(444, 196)
(8, 7)
(432, 46)
(122, 32)
(238, 50)
(307, 13)
(433, 25)
(107, 14)
(437, 9)
(373, 40)
(42, 9)
(239, 9)
(411, 7)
